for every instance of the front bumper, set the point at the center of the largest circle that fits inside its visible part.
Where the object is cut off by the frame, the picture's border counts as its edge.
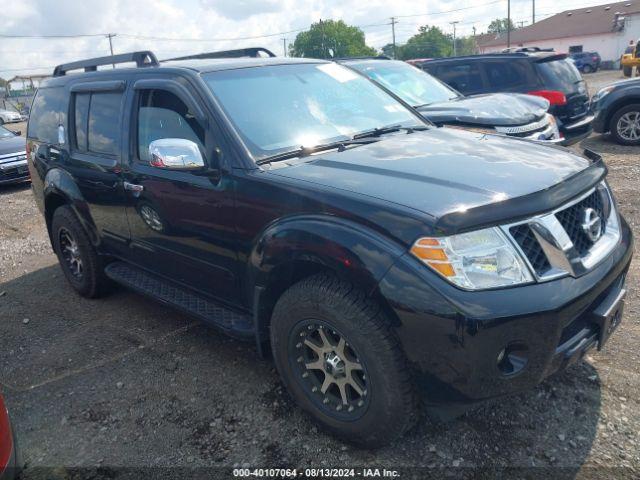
(14, 171)
(453, 338)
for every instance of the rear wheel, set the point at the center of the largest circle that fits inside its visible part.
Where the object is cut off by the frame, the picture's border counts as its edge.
(341, 361)
(78, 258)
(587, 69)
(625, 125)
(626, 71)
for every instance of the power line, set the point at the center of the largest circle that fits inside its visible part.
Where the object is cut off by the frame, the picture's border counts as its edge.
(450, 11)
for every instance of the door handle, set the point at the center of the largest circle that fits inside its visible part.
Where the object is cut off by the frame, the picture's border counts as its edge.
(133, 187)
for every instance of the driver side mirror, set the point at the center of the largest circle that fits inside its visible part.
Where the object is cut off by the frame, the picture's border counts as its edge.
(175, 154)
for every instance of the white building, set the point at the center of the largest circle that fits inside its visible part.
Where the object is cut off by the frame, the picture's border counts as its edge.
(606, 29)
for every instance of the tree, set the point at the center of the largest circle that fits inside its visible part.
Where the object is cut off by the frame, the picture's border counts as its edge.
(429, 42)
(330, 39)
(499, 25)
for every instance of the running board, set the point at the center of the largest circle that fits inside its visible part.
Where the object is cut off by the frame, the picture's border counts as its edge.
(181, 298)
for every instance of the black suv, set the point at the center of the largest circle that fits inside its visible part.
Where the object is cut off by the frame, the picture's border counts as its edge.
(537, 72)
(293, 203)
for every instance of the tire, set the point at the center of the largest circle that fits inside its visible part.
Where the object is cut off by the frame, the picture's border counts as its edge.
(72, 245)
(388, 405)
(629, 112)
(626, 71)
(587, 69)
(1, 121)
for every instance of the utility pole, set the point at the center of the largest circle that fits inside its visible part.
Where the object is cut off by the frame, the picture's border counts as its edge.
(284, 46)
(322, 42)
(110, 36)
(508, 23)
(393, 36)
(533, 14)
(455, 52)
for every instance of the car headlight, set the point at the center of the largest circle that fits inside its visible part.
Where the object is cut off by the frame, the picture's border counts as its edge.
(602, 93)
(475, 260)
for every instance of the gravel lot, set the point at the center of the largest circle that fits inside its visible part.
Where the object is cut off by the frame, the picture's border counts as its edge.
(125, 382)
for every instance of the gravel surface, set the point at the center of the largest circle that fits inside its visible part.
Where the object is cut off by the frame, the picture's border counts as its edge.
(125, 382)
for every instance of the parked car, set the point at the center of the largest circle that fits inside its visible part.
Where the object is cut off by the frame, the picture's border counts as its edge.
(8, 457)
(9, 116)
(617, 111)
(512, 114)
(13, 157)
(586, 62)
(546, 74)
(310, 212)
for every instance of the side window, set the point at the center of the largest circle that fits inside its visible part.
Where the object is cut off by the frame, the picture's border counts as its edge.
(80, 114)
(465, 77)
(48, 112)
(103, 132)
(161, 114)
(508, 75)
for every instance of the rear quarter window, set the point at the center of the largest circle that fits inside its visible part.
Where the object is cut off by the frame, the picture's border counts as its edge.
(464, 77)
(512, 75)
(48, 112)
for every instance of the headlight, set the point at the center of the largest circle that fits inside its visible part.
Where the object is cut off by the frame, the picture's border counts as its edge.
(475, 260)
(602, 93)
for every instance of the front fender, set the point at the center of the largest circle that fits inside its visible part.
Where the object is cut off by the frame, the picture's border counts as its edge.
(60, 183)
(349, 249)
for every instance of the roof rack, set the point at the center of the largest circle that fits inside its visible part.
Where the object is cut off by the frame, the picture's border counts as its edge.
(143, 58)
(253, 52)
(526, 50)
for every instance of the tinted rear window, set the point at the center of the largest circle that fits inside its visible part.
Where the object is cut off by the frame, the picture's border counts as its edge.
(510, 75)
(104, 123)
(464, 77)
(560, 75)
(49, 110)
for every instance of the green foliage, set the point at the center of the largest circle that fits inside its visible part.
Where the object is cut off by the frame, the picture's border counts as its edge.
(429, 42)
(499, 25)
(329, 35)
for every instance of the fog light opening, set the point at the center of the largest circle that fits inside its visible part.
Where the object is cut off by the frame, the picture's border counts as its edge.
(512, 359)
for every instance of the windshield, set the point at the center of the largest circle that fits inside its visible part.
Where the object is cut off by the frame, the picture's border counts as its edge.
(411, 84)
(6, 133)
(284, 107)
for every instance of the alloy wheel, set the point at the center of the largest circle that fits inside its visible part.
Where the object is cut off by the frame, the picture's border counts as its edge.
(329, 370)
(628, 126)
(71, 253)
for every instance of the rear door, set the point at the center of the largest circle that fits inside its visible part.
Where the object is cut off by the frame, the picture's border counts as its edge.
(95, 136)
(465, 77)
(509, 75)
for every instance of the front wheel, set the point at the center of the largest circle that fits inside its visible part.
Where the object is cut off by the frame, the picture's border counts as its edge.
(625, 125)
(341, 362)
(626, 71)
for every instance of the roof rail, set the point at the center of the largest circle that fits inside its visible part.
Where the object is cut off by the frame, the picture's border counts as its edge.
(238, 53)
(143, 58)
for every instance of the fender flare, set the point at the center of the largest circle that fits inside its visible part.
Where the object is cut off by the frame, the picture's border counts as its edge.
(322, 242)
(60, 183)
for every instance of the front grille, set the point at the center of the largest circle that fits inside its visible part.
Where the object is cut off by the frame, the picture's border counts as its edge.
(572, 218)
(529, 133)
(524, 237)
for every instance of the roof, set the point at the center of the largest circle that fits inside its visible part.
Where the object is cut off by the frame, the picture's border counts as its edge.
(214, 64)
(570, 23)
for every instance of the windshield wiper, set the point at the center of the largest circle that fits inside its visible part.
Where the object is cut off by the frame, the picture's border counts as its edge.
(340, 145)
(376, 132)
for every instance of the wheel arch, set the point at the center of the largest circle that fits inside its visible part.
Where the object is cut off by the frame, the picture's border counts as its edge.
(60, 189)
(295, 248)
(619, 103)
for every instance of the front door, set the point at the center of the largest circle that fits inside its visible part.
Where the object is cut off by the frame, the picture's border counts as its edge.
(181, 222)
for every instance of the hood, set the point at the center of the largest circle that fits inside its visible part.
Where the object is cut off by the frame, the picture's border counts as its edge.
(440, 171)
(12, 144)
(496, 109)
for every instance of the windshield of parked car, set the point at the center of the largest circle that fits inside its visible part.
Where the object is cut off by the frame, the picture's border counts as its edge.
(6, 133)
(278, 108)
(413, 85)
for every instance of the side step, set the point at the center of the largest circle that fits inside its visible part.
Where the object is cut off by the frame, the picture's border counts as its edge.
(231, 322)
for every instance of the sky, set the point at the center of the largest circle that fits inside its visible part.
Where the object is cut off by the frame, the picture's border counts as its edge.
(178, 27)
